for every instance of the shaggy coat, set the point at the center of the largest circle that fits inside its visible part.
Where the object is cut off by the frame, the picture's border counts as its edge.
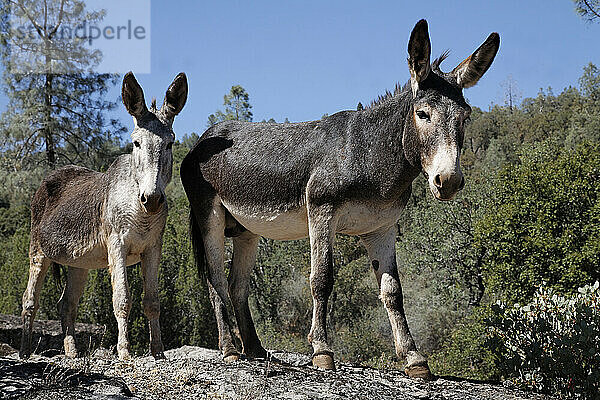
(88, 220)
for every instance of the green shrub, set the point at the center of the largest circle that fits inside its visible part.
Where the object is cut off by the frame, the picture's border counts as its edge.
(552, 344)
(470, 351)
(544, 222)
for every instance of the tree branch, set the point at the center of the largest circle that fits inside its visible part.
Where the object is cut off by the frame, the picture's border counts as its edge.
(591, 9)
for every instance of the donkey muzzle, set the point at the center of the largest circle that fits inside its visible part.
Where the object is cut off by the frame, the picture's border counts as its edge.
(445, 186)
(152, 203)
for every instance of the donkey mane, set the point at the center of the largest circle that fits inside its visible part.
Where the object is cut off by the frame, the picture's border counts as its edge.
(435, 66)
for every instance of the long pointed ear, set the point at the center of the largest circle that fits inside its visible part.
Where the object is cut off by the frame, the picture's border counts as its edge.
(469, 71)
(133, 96)
(176, 97)
(419, 53)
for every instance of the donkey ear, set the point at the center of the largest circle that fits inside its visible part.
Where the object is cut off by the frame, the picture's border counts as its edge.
(133, 96)
(176, 96)
(469, 71)
(419, 52)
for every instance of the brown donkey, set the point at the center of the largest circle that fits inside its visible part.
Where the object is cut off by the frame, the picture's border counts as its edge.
(350, 172)
(88, 220)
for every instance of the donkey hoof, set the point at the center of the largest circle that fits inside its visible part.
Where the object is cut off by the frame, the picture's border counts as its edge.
(159, 355)
(420, 371)
(231, 358)
(257, 353)
(324, 361)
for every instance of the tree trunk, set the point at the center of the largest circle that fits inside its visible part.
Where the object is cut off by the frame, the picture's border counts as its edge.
(47, 129)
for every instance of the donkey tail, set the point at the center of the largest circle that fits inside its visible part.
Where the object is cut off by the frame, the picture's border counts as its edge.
(57, 275)
(197, 246)
(197, 188)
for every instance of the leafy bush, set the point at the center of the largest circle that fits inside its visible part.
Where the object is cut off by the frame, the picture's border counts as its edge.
(544, 222)
(470, 351)
(552, 344)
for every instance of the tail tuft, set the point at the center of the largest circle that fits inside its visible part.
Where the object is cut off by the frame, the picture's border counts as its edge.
(57, 275)
(197, 246)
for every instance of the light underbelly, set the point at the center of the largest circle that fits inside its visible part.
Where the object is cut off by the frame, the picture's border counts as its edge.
(352, 218)
(89, 258)
(355, 218)
(278, 225)
(95, 256)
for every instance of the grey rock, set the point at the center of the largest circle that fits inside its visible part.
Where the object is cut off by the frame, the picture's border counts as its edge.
(195, 372)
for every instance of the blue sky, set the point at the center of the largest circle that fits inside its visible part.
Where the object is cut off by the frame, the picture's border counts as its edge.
(301, 59)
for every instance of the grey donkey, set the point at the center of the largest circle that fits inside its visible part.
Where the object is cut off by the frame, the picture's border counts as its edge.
(87, 220)
(350, 172)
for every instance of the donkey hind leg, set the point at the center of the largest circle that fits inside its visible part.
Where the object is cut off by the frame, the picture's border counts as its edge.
(38, 266)
(321, 229)
(381, 248)
(67, 306)
(244, 255)
(150, 302)
(121, 296)
(213, 232)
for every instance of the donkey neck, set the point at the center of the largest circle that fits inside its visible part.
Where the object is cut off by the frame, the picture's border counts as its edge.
(388, 116)
(385, 122)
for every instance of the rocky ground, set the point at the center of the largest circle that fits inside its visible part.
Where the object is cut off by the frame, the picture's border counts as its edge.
(194, 372)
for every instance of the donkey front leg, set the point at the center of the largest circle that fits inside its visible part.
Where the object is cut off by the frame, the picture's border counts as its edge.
(150, 302)
(38, 266)
(382, 253)
(67, 306)
(321, 230)
(121, 296)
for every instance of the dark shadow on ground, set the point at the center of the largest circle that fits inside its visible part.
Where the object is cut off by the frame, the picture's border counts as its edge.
(19, 379)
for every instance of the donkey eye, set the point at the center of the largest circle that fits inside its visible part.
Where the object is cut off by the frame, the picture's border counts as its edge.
(169, 145)
(136, 143)
(423, 115)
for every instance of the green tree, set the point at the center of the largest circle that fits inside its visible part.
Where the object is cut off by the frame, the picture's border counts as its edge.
(237, 107)
(56, 112)
(543, 224)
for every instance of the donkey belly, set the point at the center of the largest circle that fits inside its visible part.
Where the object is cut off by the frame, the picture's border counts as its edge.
(278, 225)
(356, 218)
(353, 218)
(88, 257)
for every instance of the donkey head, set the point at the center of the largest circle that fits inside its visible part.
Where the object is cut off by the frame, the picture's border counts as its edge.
(434, 132)
(152, 159)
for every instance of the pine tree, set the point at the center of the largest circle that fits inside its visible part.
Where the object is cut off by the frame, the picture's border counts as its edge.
(56, 112)
(237, 107)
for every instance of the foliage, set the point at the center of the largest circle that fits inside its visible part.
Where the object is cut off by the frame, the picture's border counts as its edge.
(56, 112)
(588, 9)
(552, 344)
(470, 351)
(543, 223)
(237, 107)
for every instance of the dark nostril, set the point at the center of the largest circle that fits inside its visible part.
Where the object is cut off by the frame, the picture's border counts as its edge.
(437, 181)
(462, 183)
(143, 199)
